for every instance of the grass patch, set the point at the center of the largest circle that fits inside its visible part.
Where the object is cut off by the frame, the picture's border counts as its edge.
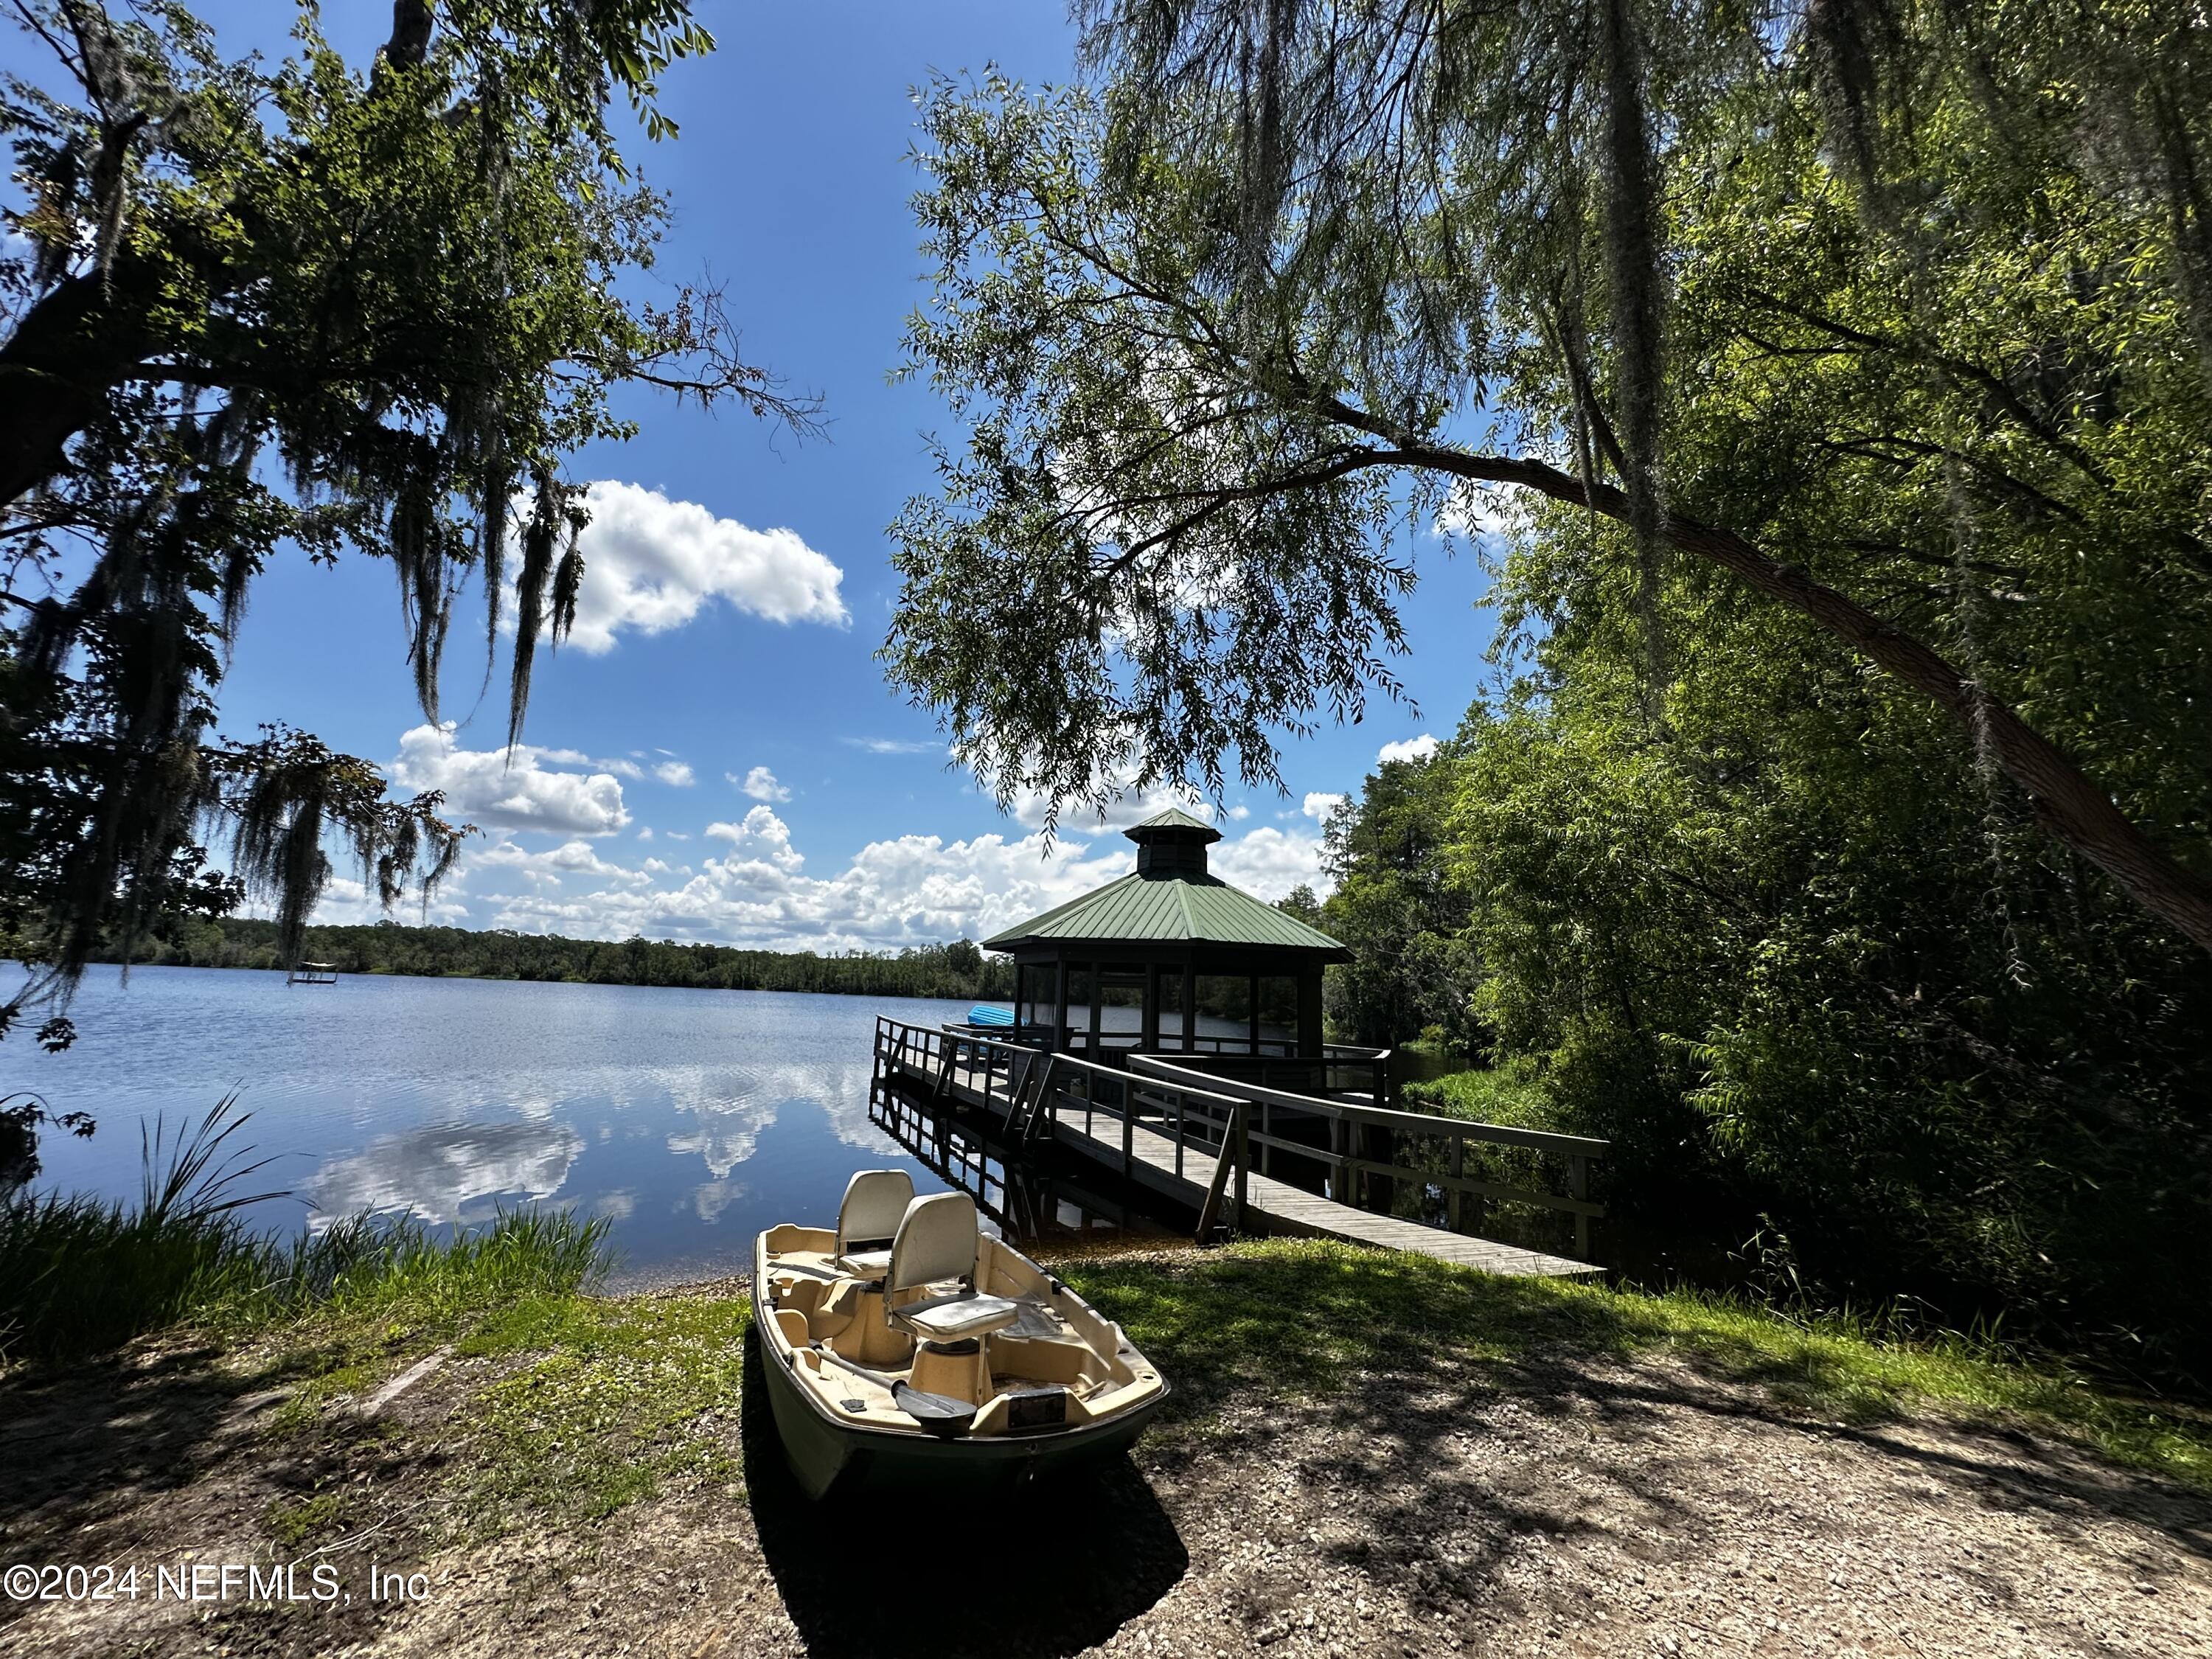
(292, 1521)
(1509, 1094)
(1306, 1320)
(592, 1404)
(622, 1398)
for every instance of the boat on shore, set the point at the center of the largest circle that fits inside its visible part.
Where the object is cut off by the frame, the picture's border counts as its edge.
(904, 1349)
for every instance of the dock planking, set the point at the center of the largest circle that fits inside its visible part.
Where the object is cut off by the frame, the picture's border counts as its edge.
(1271, 1207)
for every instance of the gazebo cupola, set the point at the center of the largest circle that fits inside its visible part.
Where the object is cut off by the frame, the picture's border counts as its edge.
(1170, 956)
(1172, 843)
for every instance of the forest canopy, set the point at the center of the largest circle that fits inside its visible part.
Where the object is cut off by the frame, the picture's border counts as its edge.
(1827, 388)
(956, 971)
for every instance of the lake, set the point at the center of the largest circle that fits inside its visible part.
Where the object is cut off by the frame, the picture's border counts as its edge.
(691, 1119)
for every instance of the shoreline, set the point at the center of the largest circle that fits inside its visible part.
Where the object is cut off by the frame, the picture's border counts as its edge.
(517, 979)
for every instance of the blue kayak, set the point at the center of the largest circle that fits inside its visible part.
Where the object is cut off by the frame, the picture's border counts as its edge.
(983, 1014)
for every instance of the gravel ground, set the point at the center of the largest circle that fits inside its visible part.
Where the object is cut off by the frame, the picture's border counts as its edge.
(1551, 1507)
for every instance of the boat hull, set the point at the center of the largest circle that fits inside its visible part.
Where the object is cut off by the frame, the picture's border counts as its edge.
(829, 1456)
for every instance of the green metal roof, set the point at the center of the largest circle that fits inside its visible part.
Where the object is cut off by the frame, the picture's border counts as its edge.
(1170, 909)
(1173, 818)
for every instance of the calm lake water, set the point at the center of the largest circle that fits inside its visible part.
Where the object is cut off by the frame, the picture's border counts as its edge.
(691, 1119)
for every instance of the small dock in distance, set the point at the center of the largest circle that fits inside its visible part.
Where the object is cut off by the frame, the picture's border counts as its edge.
(1192, 1139)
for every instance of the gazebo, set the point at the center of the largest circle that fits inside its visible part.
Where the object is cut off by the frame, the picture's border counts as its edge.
(1169, 959)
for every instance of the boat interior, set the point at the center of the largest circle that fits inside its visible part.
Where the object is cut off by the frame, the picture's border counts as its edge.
(907, 1316)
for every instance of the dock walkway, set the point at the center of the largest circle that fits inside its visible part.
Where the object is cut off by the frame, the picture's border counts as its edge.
(1179, 1170)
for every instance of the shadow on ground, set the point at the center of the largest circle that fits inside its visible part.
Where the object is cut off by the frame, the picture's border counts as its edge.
(84, 1446)
(1405, 1361)
(1051, 1572)
(83, 1440)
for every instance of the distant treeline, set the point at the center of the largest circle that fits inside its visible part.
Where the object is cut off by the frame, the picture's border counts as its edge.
(957, 972)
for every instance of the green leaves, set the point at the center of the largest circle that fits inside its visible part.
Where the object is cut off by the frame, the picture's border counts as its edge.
(1898, 952)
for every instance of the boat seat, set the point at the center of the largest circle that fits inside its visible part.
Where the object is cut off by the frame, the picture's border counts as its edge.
(956, 1318)
(938, 1240)
(868, 1219)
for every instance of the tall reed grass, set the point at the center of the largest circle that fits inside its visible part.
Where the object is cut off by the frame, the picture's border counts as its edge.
(80, 1275)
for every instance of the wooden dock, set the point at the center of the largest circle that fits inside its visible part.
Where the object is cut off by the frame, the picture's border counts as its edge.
(1022, 1104)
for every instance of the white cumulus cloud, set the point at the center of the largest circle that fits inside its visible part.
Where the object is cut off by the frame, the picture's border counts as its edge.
(761, 784)
(897, 745)
(496, 789)
(573, 858)
(347, 902)
(651, 564)
(1125, 806)
(1318, 806)
(675, 774)
(1412, 749)
(911, 889)
(1268, 862)
(762, 837)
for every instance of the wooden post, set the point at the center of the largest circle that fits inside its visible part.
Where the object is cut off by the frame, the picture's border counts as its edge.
(1097, 1012)
(1210, 1210)
(1578, 1188)
(1189, 1005)
(1242, 1125)
(1045, 1105)
(1456, 1204)
(1310, 1017)
(1128, 1136)
(1377, 1145)
(1060, 1006)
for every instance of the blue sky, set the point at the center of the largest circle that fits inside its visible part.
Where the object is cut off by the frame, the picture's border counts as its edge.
(740, 581)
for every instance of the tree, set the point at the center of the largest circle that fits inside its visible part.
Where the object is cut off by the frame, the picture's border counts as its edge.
(1401, 906)
(1794, 963)
(300, 303)
(1302, 903)
(1899, 317)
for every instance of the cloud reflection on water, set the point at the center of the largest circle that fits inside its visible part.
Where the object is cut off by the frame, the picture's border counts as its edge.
(685, 1118)
(440, 1171)
(710, 1198)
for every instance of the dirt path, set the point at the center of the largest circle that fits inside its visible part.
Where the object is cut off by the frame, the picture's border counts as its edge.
(1546, 1506)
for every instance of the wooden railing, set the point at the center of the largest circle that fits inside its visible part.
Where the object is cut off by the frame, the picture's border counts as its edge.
(1347, 1152)
(1360, 1149)
(1028, 1093)
(1337, 1071)
(1120, 1043)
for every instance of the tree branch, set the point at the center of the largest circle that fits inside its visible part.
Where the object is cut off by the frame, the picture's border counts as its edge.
(2066, 801)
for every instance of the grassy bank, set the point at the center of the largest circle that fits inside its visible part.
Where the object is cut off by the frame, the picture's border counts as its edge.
(598, 1409)
(79, 1276)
